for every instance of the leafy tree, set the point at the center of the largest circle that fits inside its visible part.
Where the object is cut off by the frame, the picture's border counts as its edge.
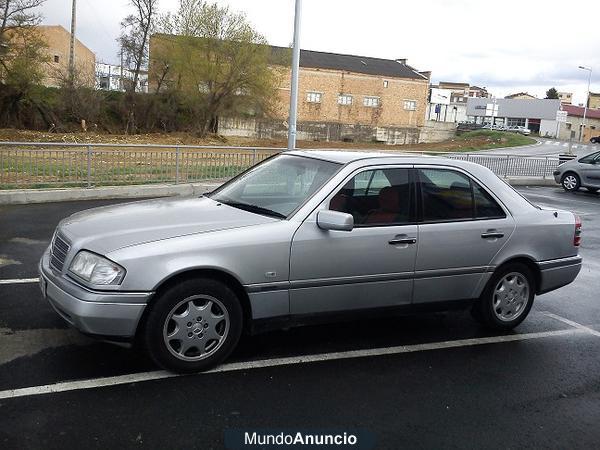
(215, 60)
(552, 94)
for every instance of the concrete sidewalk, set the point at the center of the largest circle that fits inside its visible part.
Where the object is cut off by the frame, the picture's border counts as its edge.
(24, 196)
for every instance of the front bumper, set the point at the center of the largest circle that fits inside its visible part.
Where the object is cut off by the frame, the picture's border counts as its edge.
(557, 176)
(557, 273)
(108, 314)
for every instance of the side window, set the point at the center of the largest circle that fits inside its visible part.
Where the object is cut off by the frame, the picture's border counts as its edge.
(485, 206)
(449, 195)
(446, 194)
(590, 159)
(376, 198)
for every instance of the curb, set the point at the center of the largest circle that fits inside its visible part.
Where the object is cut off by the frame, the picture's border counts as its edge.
(25, 196)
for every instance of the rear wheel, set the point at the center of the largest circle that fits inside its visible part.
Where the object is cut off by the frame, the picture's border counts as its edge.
(193, 326)
(507, 298)
(570, 182)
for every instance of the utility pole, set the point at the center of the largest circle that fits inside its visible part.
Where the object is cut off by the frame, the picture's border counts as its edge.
(72, 48)
(294, 85)
(587, 100)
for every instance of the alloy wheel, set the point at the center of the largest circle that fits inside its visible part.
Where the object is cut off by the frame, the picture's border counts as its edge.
(511, 296)
(196, 328)
(570, 182)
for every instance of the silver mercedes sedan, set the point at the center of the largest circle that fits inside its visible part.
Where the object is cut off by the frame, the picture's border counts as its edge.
(304, 236)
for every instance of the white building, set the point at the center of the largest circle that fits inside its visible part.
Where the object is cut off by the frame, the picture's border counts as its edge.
(539, 115)
(111, 77)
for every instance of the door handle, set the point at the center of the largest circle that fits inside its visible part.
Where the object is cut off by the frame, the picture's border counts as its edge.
(492, 234)
(402, 240)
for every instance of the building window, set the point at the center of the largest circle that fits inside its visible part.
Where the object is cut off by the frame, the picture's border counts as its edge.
(345, 99)
(314, 97)
(386, 83)
(515, 122)
(371, 102)
(56, 58)
(410, 105)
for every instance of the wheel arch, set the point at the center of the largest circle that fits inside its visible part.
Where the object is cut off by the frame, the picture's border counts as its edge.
(530, 263)
(204, 272)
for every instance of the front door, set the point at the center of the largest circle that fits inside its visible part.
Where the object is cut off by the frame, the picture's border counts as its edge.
(462, 228)
(369, 267)
(589, 167)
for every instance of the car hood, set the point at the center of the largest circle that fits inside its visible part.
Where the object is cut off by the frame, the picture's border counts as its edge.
(109, 228)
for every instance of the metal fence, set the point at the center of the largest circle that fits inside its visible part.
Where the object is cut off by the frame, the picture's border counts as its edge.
(37, 165)
(58, 164)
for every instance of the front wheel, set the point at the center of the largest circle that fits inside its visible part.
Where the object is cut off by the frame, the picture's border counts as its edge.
(507, 298)
(193, 326)
(570, 182)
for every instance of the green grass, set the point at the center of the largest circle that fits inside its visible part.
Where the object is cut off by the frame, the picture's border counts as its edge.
(491, 139)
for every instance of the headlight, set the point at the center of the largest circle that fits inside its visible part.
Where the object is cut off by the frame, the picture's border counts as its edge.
(96, 270)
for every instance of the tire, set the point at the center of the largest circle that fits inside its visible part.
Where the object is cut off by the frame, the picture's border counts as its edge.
(592, 190)
(498, 312)
(570, 182)
(193, 325)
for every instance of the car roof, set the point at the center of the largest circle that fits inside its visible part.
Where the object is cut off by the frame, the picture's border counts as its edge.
(348, 156)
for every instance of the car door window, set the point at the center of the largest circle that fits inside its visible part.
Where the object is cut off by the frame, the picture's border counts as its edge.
(448, 195)
(485, 205)
(594, 158)
(378, 197)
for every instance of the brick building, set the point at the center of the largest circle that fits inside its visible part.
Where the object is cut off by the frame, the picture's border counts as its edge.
(57, 40)
(341, 97)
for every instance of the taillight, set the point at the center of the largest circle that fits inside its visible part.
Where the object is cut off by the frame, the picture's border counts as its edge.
(577, 235)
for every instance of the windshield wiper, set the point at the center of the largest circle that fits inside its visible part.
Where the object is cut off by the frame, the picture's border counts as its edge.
(255, 209)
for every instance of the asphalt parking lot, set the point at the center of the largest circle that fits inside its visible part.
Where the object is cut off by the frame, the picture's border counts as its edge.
(429, 381)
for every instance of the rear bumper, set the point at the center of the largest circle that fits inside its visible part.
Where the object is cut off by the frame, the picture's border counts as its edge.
(109, 314)
(557, 273)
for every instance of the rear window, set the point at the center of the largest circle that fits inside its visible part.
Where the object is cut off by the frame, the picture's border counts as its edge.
(451, 196)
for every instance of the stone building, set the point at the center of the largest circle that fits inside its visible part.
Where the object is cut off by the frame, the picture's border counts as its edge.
(573, 127)
(57, 39)
(341, 97)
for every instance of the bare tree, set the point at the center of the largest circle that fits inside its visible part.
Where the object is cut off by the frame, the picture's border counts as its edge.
(135, 35)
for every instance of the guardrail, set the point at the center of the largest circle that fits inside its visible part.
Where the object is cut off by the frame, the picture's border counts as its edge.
(36, 164)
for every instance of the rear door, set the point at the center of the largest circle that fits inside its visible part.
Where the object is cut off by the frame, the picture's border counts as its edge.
(462, 227)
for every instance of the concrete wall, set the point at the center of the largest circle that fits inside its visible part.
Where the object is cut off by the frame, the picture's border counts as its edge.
(432, 131)
(548, 128)
(437, 131)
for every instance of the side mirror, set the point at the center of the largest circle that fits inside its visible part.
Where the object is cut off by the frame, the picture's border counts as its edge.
(334, 220)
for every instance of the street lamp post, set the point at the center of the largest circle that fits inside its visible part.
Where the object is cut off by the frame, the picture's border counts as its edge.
(294, 85)
(587, 99)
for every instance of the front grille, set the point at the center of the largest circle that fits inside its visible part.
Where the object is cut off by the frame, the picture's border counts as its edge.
(59, 251)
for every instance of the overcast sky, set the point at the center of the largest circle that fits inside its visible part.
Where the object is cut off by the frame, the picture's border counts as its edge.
(508, 46)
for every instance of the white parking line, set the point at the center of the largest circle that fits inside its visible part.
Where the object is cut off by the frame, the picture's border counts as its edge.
(248, 365)
(573, 324)
(20, 281)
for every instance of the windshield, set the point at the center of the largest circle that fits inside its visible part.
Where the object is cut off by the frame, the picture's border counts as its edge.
(277, 186)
